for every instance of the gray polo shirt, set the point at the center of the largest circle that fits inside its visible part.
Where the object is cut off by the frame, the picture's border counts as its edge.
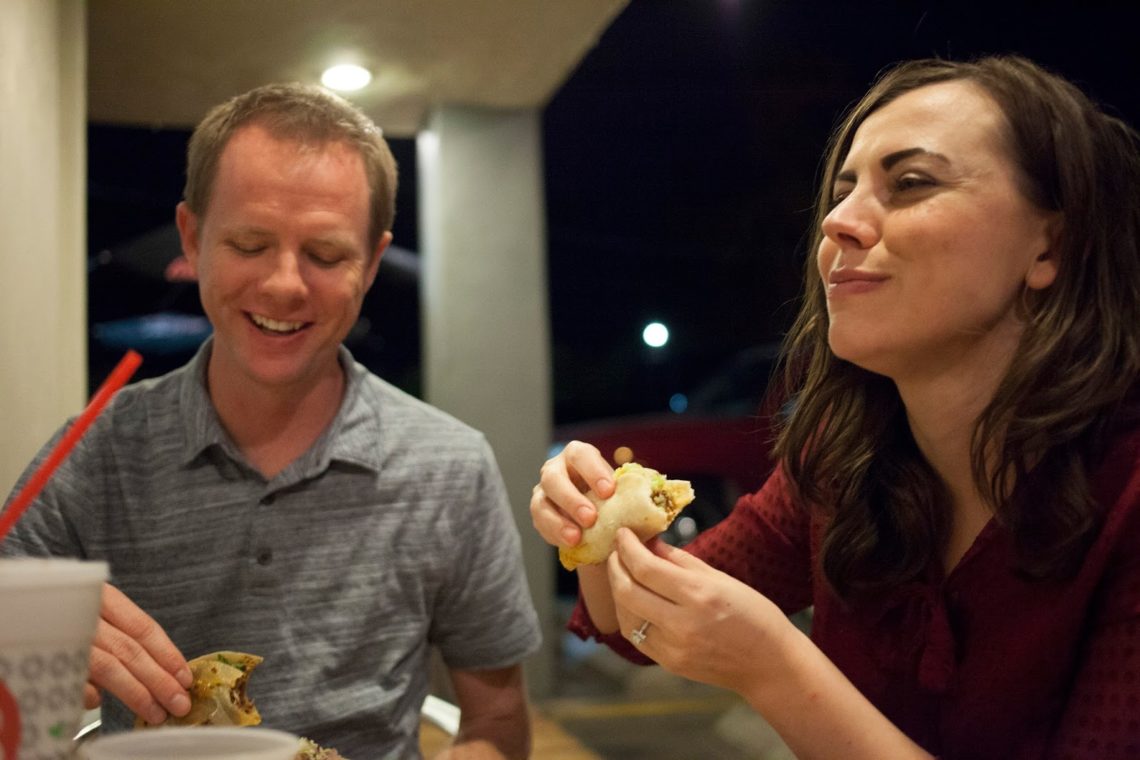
(390, 535)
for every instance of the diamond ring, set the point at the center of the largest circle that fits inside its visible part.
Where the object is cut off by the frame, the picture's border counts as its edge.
(637, 635)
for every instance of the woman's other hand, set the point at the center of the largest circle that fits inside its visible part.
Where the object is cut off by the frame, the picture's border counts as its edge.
(702, 624)
(558, 506)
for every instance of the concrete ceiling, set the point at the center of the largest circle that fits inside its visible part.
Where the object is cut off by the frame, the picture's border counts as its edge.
(165, 62)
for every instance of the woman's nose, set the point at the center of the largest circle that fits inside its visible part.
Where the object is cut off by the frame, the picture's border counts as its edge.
(854, 222)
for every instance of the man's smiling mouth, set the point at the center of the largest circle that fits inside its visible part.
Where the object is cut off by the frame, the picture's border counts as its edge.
(275, 326)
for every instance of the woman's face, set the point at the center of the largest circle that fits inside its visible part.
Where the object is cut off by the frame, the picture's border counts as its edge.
(930, 243)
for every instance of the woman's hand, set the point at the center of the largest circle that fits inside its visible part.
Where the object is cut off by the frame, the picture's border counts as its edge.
(558, 508)
(703, 624)
(134, 659)
(560, 511)
(707, 626)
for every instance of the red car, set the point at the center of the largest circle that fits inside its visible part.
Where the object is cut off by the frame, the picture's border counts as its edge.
(719, 440)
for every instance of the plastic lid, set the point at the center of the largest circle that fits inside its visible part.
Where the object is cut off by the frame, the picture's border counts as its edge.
(51, 571)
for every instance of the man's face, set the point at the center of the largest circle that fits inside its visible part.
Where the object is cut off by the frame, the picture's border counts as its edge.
(282, 257)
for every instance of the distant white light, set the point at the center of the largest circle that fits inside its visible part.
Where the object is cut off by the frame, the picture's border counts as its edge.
(346, 77)
(686, 529)
(655, 335)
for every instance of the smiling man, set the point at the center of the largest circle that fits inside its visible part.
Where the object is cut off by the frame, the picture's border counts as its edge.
(273, 496)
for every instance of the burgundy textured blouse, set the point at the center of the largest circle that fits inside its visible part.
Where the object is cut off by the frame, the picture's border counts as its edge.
(977, 664)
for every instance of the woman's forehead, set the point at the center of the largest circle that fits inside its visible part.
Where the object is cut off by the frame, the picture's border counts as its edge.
(946, 116)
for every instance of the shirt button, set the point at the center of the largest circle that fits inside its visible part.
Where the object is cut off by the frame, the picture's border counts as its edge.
(265, 556)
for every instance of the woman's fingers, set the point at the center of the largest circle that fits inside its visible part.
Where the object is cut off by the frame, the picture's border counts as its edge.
(558, 506)
(577, 469)
(678, 557)
(632, 612)
(590, 467)
(665, 570)
(636, 602)
(703, 624)
(553, 524)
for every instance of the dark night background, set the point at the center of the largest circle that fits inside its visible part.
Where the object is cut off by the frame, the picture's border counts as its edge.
(681, 157)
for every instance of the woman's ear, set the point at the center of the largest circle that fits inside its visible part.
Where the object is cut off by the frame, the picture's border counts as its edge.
(1043, 269)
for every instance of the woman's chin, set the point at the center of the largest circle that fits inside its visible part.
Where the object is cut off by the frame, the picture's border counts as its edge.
(861, 355)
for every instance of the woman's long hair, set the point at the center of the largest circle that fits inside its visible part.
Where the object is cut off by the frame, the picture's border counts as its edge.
(847, 447)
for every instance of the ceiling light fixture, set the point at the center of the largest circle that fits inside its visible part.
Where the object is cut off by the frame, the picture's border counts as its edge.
(346, 77)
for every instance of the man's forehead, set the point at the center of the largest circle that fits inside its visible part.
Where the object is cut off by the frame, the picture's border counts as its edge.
(259, 170)
(257, 136)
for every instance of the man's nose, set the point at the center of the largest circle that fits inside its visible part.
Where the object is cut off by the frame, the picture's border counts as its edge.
(285, 278)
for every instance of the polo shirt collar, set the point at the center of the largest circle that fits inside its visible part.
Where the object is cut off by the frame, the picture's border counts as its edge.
(353, 436)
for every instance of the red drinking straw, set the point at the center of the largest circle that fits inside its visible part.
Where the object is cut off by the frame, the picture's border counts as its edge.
(116, 380)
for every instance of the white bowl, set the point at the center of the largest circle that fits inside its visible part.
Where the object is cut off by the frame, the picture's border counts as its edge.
(194, 743)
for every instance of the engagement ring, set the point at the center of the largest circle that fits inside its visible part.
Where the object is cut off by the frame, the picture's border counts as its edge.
(637, 635)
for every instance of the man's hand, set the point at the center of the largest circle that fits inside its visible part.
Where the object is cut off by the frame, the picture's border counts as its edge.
(133, 658)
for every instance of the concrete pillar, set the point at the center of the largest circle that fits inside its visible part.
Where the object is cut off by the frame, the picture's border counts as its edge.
(485, 317)
(43, 277)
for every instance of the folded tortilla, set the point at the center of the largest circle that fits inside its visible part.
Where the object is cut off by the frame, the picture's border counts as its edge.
(217, 696)
(644, 501)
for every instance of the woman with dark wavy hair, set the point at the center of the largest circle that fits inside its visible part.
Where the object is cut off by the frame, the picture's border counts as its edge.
(957, 493)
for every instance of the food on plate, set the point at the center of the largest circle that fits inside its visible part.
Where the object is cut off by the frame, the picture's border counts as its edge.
(644, 501)
(310, 750)
(217, 696)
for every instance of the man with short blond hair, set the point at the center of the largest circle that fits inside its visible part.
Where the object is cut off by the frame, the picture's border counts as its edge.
(275, 497)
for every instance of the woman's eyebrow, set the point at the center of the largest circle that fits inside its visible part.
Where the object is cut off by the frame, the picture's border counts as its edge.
(889, 160)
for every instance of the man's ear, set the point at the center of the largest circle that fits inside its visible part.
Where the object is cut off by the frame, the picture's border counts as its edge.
(187, 222)
(377, 254)
(1043, 269)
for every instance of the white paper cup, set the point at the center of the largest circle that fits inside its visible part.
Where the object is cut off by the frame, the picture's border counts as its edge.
(48, 612)
(194, 743)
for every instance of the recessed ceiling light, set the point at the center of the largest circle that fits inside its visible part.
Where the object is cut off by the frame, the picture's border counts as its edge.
(346, 77)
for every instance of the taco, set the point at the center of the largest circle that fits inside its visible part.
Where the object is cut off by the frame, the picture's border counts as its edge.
(644, 500)
(217, 696)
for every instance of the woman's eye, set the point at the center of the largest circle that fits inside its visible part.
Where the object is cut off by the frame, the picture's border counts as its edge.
(837, 197)
(913, 182)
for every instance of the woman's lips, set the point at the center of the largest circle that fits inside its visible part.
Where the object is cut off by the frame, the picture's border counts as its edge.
(852, 282)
